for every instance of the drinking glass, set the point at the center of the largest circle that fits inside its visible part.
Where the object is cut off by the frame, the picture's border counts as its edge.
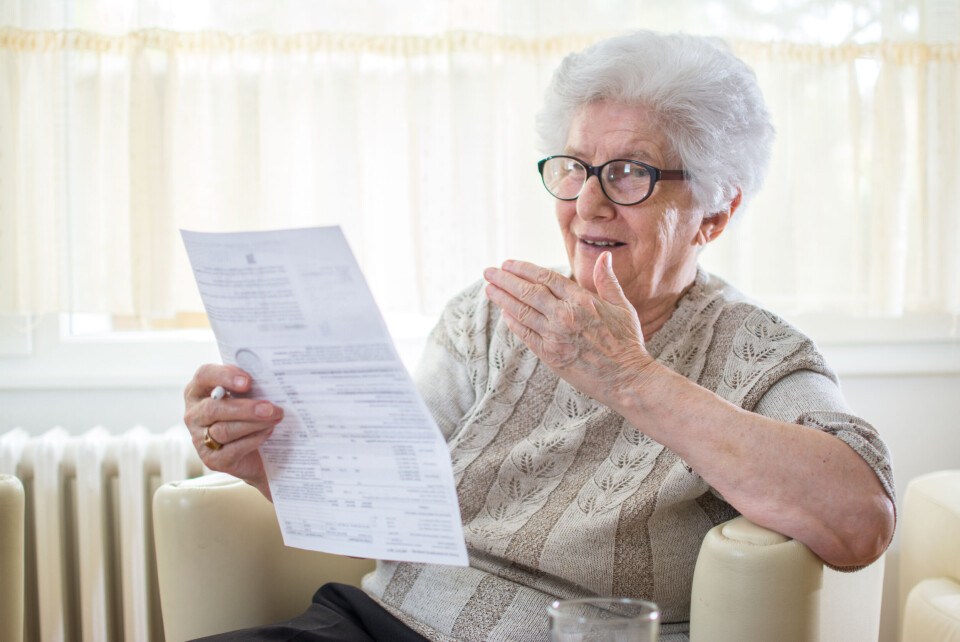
(607, 619)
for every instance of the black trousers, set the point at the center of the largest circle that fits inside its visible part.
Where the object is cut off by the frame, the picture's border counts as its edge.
(339, 613)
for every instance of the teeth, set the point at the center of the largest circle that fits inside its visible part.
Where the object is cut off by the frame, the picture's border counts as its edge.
(600, 243)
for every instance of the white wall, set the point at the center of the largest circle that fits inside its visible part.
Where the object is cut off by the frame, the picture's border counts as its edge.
(919, 417)
(915, 405)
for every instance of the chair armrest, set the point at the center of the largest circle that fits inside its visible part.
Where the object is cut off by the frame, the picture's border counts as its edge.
(932, 612)
(930, 557)
(221, 562)
(751, 583)
(11, 557)
(930, 529)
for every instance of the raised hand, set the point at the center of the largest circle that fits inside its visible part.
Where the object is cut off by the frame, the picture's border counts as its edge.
(593, 341)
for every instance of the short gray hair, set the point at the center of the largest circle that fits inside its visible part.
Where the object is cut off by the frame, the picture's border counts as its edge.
(705, 100)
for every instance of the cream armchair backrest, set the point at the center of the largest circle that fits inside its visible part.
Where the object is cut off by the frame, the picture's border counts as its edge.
(930, 558)
(221, 566)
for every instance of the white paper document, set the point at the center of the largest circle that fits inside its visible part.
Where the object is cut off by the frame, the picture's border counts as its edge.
(357, 466)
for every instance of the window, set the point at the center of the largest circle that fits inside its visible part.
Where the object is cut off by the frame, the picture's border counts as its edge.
(122, 122)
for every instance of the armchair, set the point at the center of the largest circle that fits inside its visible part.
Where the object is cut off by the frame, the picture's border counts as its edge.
(222, 566)
(930, 558)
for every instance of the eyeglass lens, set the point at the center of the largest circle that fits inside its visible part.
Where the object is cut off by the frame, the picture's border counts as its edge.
(623, 182)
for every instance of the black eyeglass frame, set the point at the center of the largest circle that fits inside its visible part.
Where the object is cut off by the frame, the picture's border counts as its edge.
(656, 174)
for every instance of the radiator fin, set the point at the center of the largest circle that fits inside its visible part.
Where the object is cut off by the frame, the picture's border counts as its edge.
(89, 529)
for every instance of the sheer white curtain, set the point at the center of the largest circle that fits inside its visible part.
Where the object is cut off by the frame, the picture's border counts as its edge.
(411, 125)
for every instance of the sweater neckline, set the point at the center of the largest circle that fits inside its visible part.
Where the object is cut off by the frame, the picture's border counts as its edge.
(687, 306)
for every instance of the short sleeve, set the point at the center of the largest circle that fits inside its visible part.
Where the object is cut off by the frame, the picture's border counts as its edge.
(444, 384)
(452, 366)
(814, 400)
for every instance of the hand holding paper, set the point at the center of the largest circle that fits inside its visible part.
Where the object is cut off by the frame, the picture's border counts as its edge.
(357, 466)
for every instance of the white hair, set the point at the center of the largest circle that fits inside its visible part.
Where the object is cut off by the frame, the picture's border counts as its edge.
(705, 100)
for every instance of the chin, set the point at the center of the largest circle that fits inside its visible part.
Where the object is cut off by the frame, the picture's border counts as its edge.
(582, 272)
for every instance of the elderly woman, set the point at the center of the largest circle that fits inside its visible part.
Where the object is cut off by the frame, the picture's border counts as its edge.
(602, 420)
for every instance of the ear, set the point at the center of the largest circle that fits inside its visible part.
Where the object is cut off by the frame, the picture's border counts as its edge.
(713, 224)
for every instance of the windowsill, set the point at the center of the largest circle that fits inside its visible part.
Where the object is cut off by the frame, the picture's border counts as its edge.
(913, 345)
(169, 359)
(42, 358)
(894, 359)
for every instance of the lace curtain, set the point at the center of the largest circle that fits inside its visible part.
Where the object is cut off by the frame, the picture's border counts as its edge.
(411, 125)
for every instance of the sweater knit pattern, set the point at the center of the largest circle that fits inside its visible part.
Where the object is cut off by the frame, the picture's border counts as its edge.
(563, 498)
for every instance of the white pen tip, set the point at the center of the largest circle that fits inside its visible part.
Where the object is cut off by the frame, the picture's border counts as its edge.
(218, 393)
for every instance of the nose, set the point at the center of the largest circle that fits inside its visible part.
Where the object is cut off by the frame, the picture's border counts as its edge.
(593, 203)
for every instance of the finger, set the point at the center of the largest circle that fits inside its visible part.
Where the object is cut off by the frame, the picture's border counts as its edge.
(519, 310)
(254, 411)
(209, 376)
(230, 454)
(232, 432)
(560, 286)
(532, 340)
(606, 282)
(536, 295)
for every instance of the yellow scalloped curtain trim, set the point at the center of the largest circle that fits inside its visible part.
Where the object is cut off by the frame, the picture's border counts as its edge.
(207, 42)
(212, 42)
(900, 53)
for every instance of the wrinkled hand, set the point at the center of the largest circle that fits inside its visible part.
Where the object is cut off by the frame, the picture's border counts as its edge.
(240, 425)
(593, 341)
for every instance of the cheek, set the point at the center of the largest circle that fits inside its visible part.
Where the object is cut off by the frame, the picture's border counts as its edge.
(674, 241)
(653, 230)
(565, 214)
(668, 226)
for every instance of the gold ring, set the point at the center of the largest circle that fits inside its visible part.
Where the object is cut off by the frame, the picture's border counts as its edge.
(209, 441)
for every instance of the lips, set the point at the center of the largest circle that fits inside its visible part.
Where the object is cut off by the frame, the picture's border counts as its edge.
(600, 242)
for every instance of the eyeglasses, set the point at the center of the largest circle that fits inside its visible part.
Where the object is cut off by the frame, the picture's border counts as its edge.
(625, 182)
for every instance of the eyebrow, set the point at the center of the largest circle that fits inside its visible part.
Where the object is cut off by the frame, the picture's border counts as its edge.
(639, 155)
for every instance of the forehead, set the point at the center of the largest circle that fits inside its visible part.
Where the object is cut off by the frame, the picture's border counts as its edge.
(616, 130)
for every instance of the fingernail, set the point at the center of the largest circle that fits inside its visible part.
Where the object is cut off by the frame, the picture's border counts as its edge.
(488, 273)
(239, 381)
(608, 260)
(263, 409)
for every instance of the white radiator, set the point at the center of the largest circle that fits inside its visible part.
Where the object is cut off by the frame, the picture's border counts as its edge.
(90, 570)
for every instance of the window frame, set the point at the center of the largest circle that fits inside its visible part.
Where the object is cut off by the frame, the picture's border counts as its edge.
(40, 353)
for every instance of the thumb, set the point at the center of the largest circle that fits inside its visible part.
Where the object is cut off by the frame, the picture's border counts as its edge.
(608, 287)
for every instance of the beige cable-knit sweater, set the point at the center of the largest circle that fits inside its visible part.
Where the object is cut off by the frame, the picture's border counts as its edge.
(561, 497)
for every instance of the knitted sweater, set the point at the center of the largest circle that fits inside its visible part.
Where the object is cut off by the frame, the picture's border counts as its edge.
(563, 498)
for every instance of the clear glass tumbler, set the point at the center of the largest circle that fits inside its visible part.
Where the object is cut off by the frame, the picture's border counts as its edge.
(604, 619)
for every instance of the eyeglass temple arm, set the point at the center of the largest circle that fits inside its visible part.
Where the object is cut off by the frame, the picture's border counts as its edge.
(674, 175)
